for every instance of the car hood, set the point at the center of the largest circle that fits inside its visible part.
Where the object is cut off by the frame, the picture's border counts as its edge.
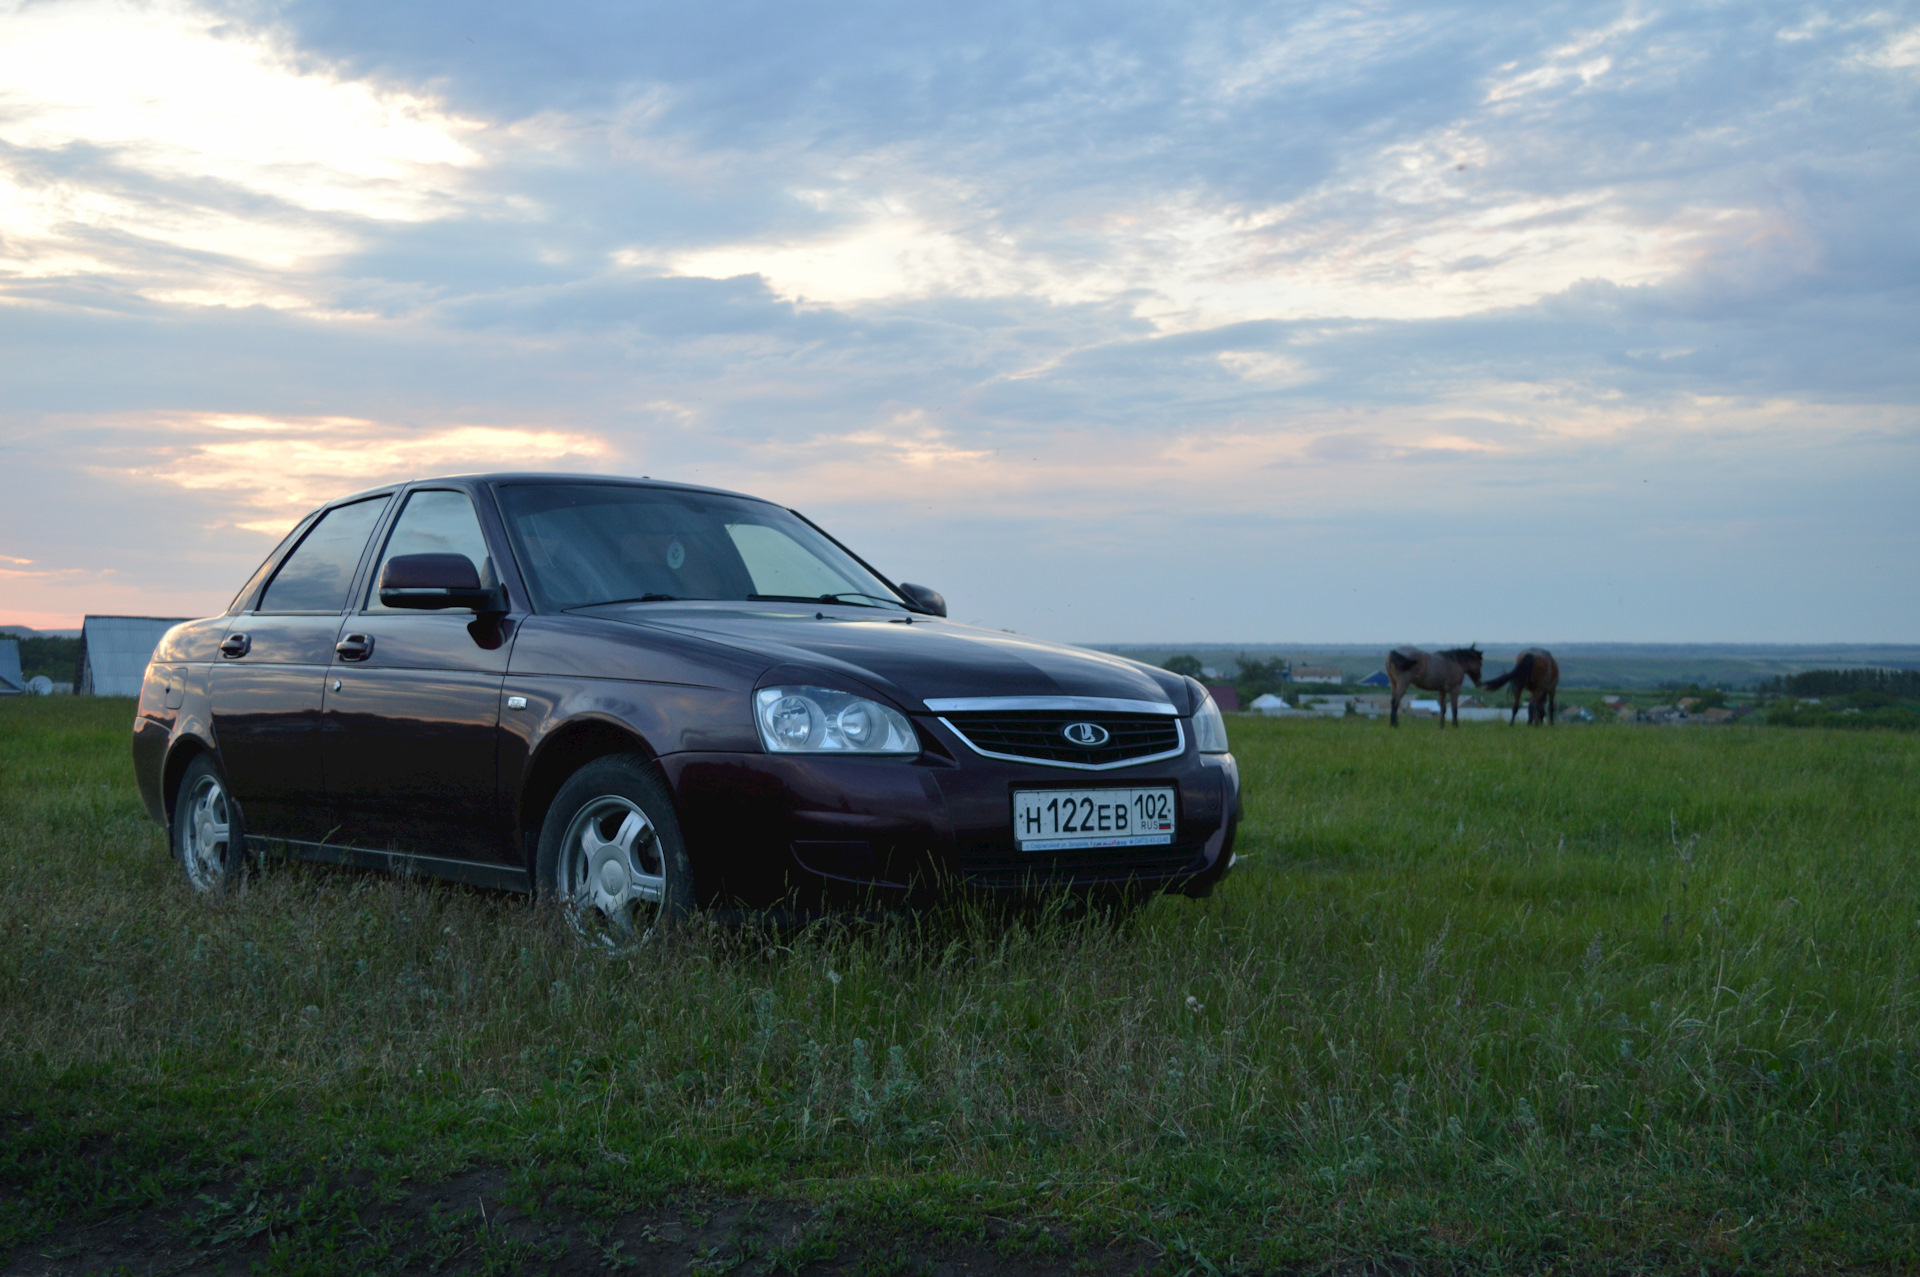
(913, 661)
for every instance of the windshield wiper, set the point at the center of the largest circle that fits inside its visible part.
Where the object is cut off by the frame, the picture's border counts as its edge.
(856, 594)
(638, 598)
(848, 597)
(820, 598)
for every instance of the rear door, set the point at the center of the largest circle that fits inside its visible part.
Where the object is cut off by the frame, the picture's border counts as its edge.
(410, 734)
(267, 684)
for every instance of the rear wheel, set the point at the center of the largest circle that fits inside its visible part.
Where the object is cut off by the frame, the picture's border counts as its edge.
(611, 855)
(209, 835)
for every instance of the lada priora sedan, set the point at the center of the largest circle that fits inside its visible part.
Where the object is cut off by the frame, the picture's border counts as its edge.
(640, 698)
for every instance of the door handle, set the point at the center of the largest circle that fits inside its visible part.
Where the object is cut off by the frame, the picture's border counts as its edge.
(235, 645)
(354, 647)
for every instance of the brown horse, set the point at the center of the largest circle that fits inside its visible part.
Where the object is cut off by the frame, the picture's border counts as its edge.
(1537, 672)
(1436, 672)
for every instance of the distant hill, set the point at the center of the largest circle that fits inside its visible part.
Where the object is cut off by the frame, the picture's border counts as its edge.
(1610, 665)
(24, 631)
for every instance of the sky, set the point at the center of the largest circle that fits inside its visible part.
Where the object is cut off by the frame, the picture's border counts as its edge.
(1115, 323)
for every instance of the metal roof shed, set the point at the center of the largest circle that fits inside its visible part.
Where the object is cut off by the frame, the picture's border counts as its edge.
(114, 651)
(11, 683)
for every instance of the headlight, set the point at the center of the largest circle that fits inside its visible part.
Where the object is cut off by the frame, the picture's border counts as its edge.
(1209, 729)
(819, 720)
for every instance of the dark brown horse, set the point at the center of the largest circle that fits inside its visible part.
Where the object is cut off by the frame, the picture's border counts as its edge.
(1436, 672)
(1537, 672)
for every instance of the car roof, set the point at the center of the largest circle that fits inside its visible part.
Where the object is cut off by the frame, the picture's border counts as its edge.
(547, 476)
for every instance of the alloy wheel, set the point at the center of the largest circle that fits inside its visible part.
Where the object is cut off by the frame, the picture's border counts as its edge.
(206, 839)
(614, 872)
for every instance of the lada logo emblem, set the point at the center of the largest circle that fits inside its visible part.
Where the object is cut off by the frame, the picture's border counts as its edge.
(1086, 733)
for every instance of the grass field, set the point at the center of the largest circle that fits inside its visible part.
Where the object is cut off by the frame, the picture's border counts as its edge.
(1601, 999)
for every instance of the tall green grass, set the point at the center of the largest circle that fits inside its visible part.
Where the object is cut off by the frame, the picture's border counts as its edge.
(1593, 997)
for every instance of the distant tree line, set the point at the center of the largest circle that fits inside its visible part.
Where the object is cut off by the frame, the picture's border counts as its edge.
(58, 658)
(1257, 677)
(1252, 677)
(1892, 685)
(1847, 698)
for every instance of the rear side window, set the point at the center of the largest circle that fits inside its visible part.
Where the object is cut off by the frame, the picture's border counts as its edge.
(317, 575)
(434, 522)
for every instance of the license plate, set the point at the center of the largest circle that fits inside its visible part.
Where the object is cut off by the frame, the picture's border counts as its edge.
(1062, 819)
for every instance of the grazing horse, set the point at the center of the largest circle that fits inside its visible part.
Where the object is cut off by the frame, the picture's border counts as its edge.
(1436, 672)
(1535, 671)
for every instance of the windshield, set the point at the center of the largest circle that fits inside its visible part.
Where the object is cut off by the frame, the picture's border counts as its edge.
(587, 543)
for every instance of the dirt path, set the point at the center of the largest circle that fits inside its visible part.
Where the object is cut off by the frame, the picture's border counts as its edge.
(464, 1225)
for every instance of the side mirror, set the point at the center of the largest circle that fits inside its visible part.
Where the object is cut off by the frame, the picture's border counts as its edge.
(434, 581)
(924, 599)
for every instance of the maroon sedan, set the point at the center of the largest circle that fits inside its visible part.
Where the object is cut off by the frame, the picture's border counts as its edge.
(641, 698)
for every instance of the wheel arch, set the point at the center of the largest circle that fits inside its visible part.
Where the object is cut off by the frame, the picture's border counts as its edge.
(180, 756)
(560, 754)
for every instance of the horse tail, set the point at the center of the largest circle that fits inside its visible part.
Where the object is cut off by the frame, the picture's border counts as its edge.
(1522, 670)
(1401, 661)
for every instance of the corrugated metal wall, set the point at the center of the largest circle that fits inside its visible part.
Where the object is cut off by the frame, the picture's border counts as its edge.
(11, 682)
(115, 651)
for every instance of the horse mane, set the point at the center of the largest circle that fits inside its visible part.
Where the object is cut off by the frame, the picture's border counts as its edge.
(1462, 653)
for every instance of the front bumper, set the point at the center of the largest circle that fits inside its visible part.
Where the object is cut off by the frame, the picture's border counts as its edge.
(810, 830)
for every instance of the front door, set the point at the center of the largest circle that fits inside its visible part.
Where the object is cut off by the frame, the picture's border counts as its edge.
(410, 731)
(267, 686)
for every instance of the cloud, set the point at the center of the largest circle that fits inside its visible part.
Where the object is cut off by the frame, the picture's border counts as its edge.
(262, 473)
(142, 138)
(1021, 295)
(1901, 51)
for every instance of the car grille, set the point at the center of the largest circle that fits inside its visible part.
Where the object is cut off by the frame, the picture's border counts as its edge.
(1039, 736)
(1080, 867)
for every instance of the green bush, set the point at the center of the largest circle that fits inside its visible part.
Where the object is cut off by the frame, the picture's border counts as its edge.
(1257, 678)
(1184, 663)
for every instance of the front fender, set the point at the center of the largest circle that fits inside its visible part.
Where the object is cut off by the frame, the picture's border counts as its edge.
(666, 718)
(551, 726)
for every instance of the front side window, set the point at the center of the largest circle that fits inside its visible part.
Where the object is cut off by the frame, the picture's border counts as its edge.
(317, 575)
(584, 544)
(434, 522)
(246, 591)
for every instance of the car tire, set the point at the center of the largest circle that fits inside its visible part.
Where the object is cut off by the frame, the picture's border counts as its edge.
(611, 855)
(209, 833)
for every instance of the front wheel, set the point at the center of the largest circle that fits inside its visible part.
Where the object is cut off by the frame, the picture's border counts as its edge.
(611, 855)
(209, 835)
